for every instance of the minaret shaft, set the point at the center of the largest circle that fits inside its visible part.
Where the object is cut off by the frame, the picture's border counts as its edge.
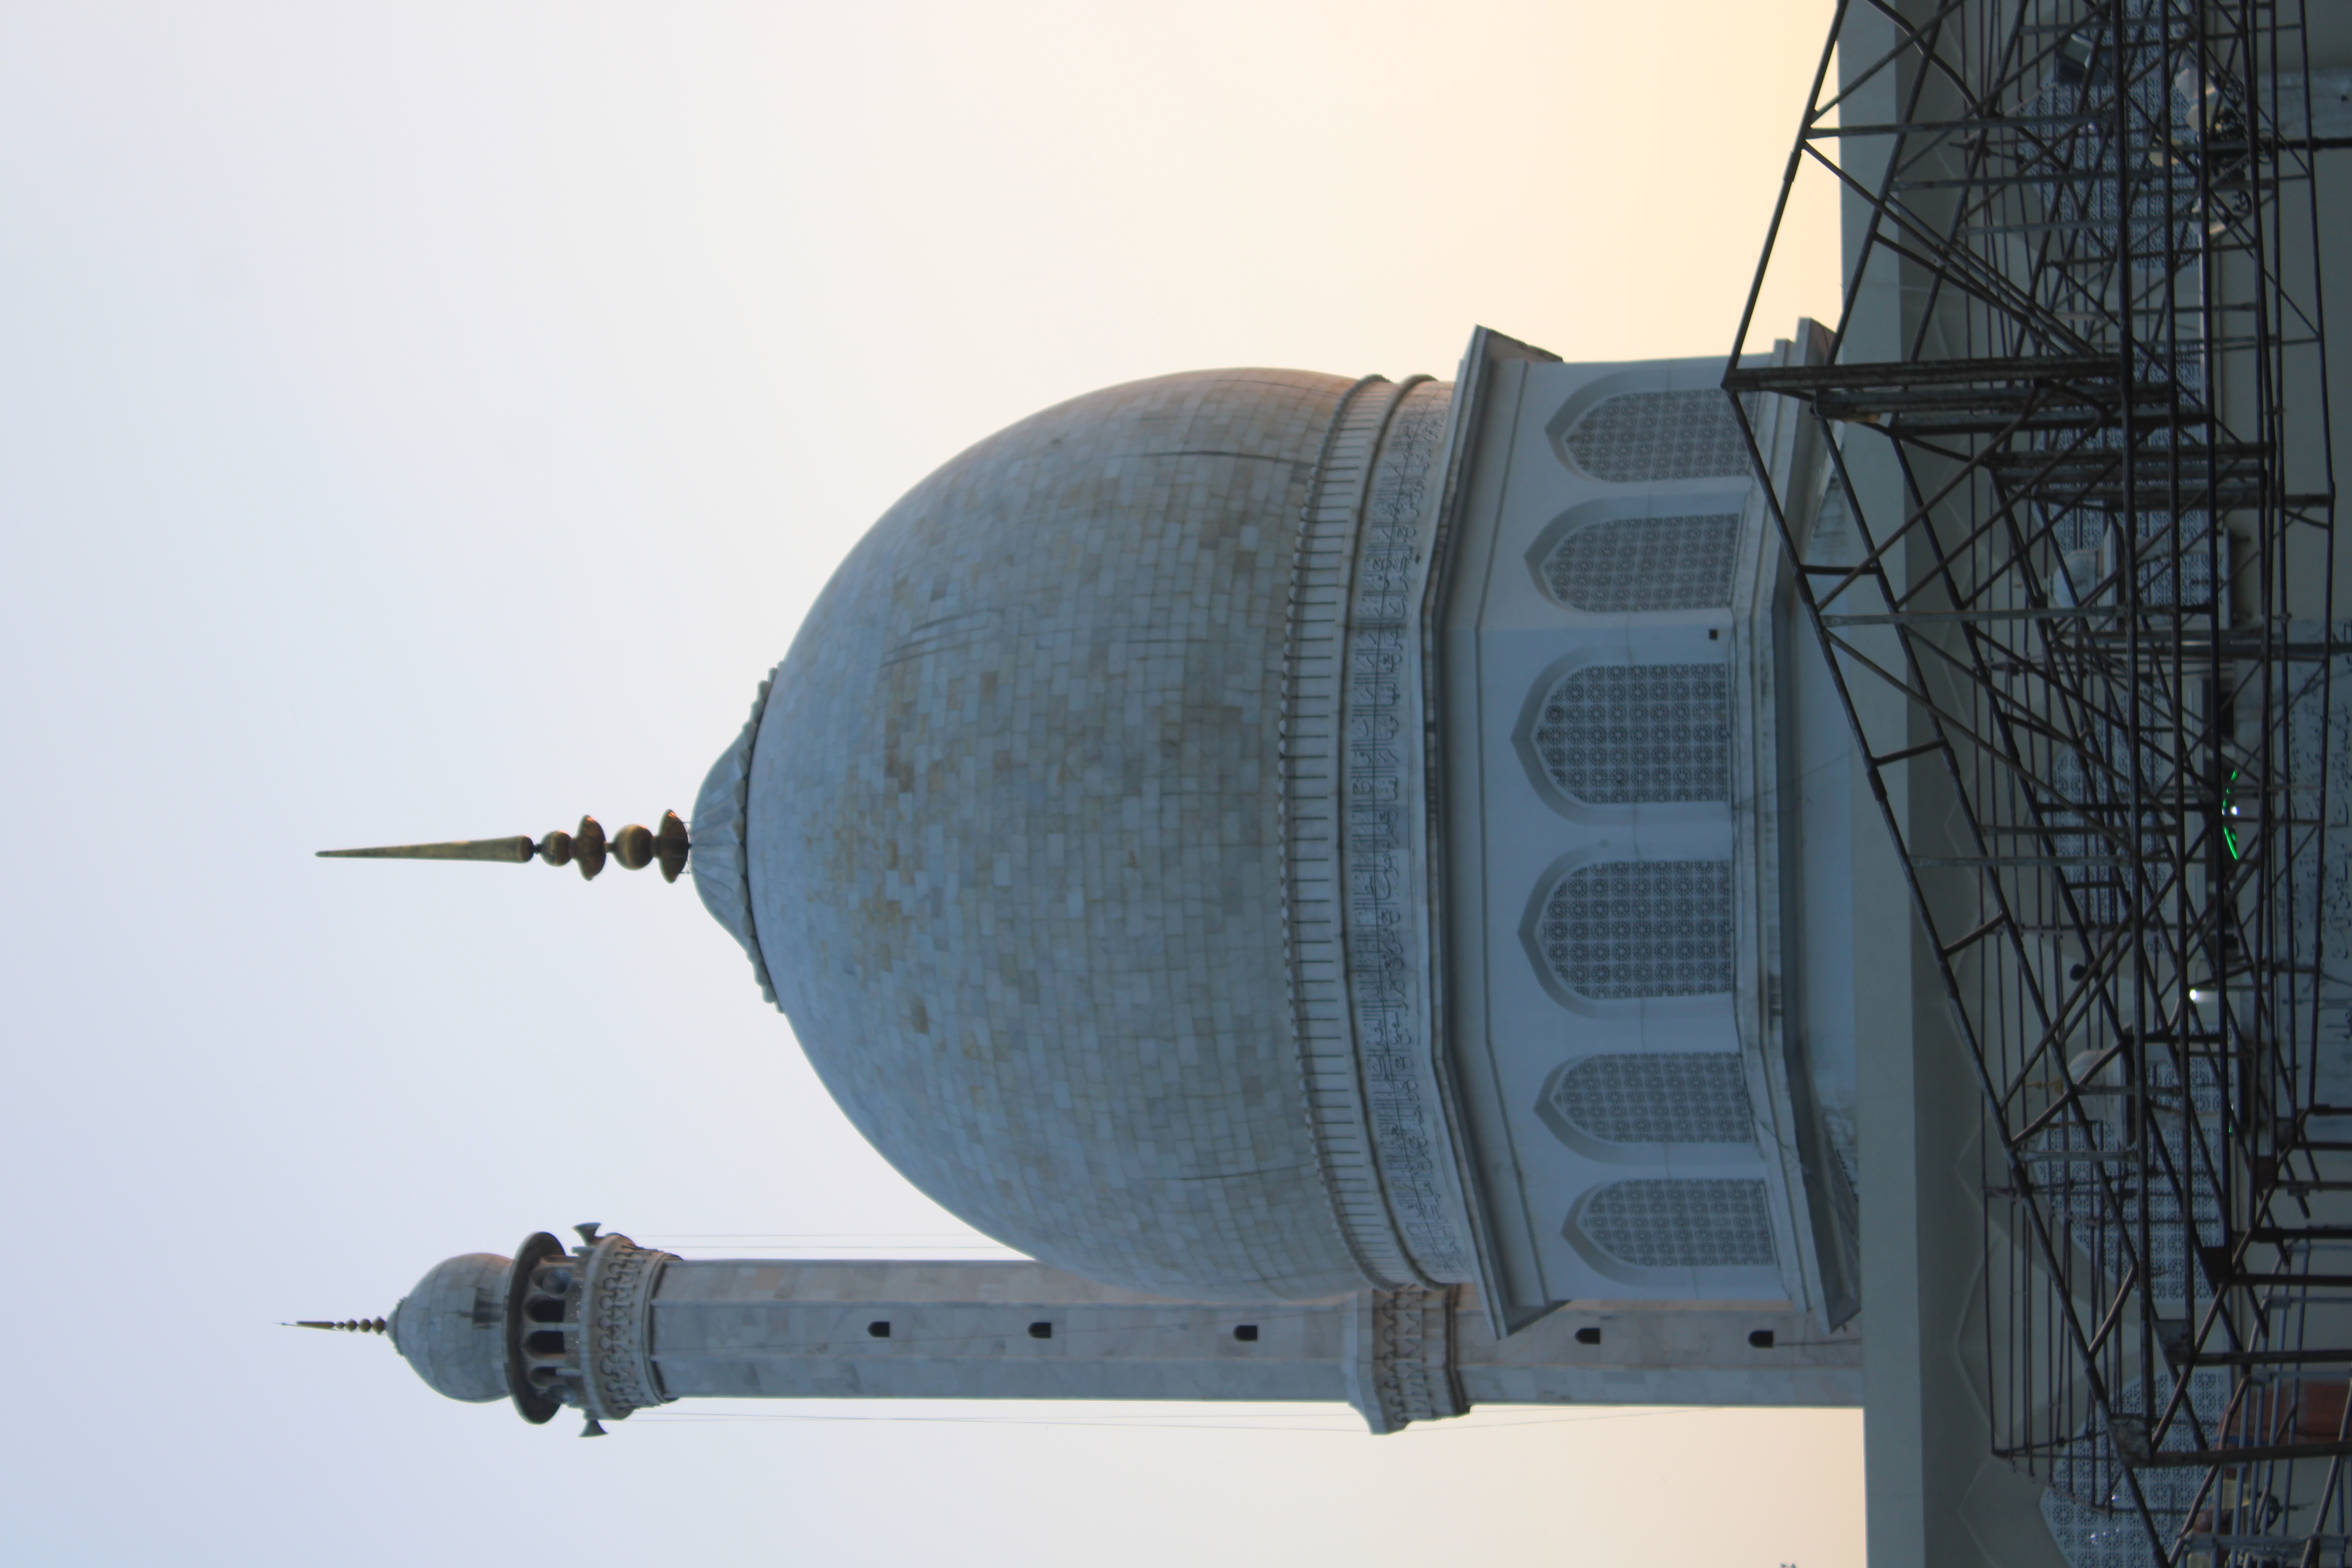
(769, 1329)
(976, 1330)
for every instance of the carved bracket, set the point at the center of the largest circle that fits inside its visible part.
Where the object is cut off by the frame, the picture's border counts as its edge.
(1401, 1358)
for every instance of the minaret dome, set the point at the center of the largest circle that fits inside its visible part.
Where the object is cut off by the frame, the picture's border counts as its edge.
(451, 1327)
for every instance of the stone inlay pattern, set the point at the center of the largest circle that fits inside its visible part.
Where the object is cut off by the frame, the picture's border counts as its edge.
(1663, 1098)
(1680, 1223)
(1635, 437)
(1635, 564)
(1628, 929)
(1619, 733)
(1359, 943)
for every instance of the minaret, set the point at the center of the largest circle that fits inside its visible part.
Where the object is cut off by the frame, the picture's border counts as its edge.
(608, 1328)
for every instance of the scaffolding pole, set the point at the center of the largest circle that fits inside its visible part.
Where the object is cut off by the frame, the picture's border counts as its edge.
(2078, 612)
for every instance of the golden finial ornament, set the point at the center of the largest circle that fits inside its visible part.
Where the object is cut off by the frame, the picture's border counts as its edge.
(585, 846)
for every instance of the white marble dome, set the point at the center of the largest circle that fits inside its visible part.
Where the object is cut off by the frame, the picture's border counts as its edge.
(1005, 836)
(451, 1327)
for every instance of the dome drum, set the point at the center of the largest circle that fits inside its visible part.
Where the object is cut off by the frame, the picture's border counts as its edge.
(1356, 836)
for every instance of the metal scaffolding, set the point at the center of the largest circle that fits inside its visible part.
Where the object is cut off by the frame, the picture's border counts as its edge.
(2069, 560)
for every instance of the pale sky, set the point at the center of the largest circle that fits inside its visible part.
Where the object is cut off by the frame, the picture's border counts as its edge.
(431, 420)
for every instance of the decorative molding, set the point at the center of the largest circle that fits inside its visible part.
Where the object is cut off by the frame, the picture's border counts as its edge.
(1313, 645)
(720, 832)
(1402, 1357)
(1383, 827)
(615, 1312)
(1354, 832)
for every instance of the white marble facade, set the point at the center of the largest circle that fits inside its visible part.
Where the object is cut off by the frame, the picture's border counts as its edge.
(1622, 898)
(1319, 865)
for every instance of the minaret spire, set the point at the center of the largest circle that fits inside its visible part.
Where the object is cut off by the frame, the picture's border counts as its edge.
(586, 846)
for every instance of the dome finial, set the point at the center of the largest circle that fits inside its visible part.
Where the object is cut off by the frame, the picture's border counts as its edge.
(585, 846)
(349, 1325)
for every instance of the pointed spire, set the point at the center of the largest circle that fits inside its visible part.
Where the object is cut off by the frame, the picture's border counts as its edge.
(348, 1326)
(634, 846)
(517, 850)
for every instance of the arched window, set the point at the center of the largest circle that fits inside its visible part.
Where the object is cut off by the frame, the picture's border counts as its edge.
(1614, 735)
(1680, 1223)
(1668, 1098)
(1646, 564)
(1636, 437)
(1628, 929)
